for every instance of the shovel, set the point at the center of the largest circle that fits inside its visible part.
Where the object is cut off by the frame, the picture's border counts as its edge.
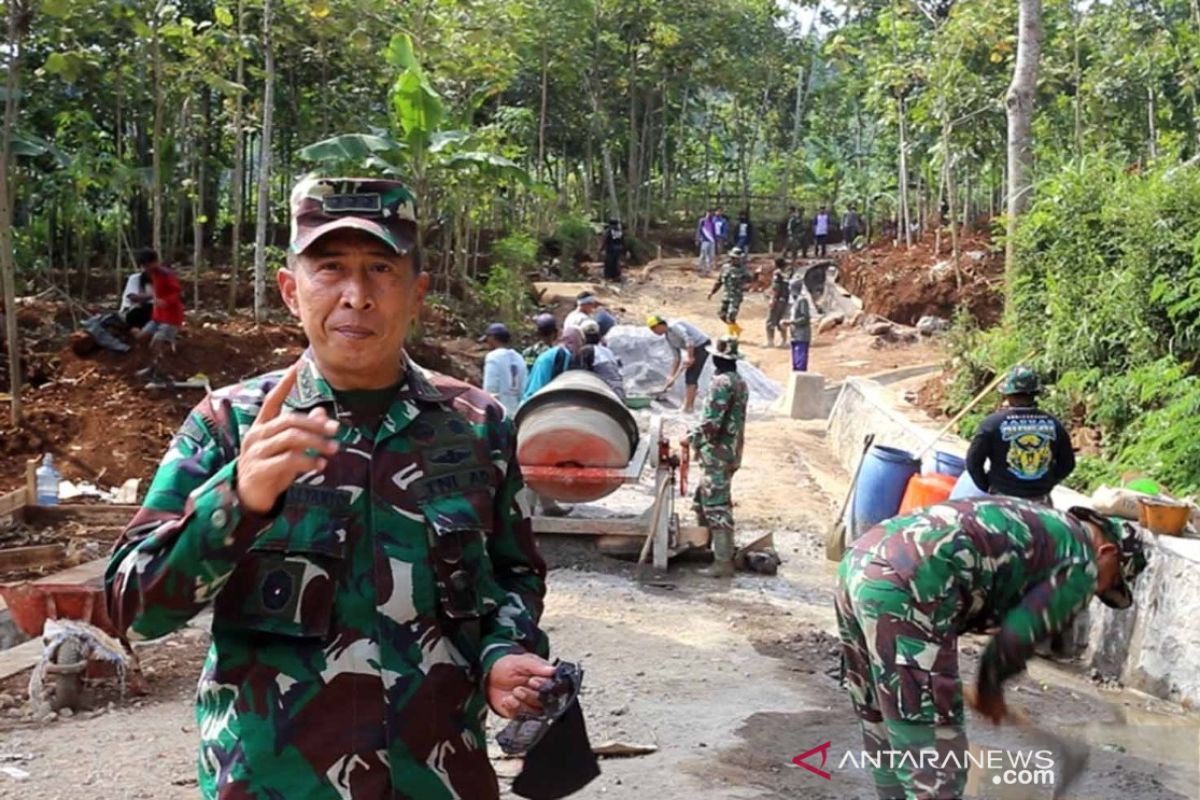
(1072, 755)
(835, 540)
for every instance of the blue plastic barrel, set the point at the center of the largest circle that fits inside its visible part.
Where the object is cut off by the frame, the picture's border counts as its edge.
(948, 464)
(965, 489)
(881, 484)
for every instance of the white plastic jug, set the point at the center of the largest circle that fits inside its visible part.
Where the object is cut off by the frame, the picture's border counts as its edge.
(47, 482)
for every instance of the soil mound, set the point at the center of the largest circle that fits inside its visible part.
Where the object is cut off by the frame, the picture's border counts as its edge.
(905, 284)
(101, 422)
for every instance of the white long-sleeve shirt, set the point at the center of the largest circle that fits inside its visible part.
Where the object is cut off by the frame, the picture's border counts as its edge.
(504, 376)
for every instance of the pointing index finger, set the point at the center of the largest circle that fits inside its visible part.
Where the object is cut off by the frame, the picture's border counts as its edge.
(272, 404)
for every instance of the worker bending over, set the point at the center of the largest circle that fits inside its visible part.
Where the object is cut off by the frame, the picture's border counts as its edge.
(910, 586)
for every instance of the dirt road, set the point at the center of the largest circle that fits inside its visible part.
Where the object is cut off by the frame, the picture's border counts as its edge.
(729, 681)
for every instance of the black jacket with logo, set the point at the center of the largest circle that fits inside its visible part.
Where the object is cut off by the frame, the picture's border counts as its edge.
(1020, 452)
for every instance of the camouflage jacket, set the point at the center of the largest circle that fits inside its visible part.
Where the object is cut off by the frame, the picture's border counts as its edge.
(735, 278)
(974, 565)
(779, 289)
(720, 437)
(531, 353)
(345, 662)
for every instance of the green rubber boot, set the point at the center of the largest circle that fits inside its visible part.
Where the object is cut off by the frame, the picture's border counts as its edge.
(722, 545)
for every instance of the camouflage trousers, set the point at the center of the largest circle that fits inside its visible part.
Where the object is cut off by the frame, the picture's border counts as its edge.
(775, 315)
(731, 303)
(795, 245)
(713, 504)
(901, 661)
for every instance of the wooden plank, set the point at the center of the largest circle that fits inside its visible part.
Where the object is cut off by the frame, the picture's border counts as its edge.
(693, 536)
(591, 527)
(16, 660)
(12, 502)
(32, 556)
(31, 482)
(108, 514)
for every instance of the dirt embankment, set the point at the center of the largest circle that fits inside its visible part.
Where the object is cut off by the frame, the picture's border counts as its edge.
(905, 284)
(104, 426)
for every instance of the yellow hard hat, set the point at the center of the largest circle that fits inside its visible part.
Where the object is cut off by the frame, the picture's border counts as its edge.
(654, 320)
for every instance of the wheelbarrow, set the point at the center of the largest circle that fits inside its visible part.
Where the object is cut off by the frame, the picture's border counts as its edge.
(80, 639)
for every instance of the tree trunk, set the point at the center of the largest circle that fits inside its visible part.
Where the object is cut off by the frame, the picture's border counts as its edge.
(902, 112)
(610, 180)
(1151, 116)
(541, 157)
(904, 214)
(7, 266)
(950, 204)
(264, 172)
(1020, 121)
(937, 237)
(631, 167)
(118, 206)
(1195, 107)
(156, 190)
(198, 226)
(239, 169)
(589, 172)
(1078, 80)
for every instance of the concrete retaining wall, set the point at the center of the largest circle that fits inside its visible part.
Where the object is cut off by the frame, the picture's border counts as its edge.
(863, 407)
(1154, 646)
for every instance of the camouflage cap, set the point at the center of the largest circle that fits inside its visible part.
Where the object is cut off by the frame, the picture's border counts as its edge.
(1021, 380)
(1131, 550)
(384, 209)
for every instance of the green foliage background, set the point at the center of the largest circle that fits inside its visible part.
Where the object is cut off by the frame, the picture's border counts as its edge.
(1109, 299)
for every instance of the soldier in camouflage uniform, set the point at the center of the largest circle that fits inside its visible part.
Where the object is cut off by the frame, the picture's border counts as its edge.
(354, 524)
(733, 280)
(718, 443)
(911, 585)
(779, 301)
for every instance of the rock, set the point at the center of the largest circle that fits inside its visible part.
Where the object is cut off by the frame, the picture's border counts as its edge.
(977, 255)
(48, 717)
(7, 700)
(66, 713)
(941, 268)
(830, 321)
(931, 325)
(879, 328)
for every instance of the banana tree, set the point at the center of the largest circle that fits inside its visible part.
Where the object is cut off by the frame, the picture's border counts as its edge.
(422, 143)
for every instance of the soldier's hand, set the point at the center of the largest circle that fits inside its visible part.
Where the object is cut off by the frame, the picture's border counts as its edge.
(513, 683)
(280, 447)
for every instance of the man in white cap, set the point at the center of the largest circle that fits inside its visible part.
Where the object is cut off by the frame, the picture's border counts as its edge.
(585, 305)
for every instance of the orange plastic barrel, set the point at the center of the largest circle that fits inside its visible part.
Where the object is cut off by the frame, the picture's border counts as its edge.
(926, 490)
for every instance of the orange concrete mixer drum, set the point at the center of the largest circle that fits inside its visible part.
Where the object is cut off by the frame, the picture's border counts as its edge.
(580, 429)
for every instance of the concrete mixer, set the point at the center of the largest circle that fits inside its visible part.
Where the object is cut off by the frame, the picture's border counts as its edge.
(577, 443)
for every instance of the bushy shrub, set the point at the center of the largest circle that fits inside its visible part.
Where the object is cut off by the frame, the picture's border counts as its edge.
(576, 238)
(505, 291)
(517, 251)
(1108, 299)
